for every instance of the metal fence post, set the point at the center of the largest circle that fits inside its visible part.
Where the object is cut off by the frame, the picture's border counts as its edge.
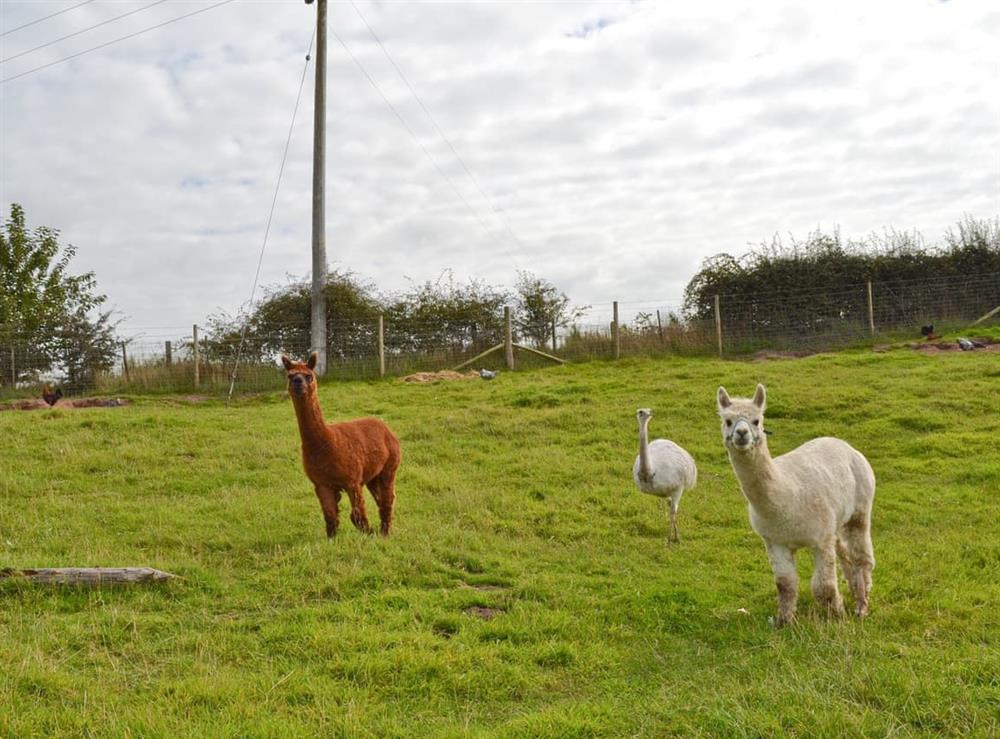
(381, 346)
(871, 310)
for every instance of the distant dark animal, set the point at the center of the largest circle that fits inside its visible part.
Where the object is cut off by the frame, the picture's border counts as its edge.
(487, 374)
(967, 345)
(51, 396)
(928, 332)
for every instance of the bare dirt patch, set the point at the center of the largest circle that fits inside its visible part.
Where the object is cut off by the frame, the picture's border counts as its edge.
(37, 404)
(446, 375)
(936, 347)
(483, 612)
(765, 354)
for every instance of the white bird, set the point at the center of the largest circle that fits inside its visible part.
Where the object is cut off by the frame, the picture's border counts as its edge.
(488, 374)
(663, 469)
(967, 345)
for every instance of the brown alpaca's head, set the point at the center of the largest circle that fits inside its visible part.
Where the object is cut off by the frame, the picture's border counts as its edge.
(301, 378)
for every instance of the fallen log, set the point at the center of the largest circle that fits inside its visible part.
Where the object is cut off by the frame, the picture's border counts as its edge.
(89, 576)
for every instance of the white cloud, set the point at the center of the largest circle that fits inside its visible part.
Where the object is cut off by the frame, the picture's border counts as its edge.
(622, 142)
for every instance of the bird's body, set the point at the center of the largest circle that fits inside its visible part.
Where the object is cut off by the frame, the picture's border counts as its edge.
(51, 396)
(488, 374)
(663, 469)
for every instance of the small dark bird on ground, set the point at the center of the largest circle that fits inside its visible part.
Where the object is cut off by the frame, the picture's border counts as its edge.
(928, 332)
(488, 374)
(967, 345)
(51, 396)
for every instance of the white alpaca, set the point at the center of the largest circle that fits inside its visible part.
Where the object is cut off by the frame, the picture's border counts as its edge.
(818, 496)
(663, 469)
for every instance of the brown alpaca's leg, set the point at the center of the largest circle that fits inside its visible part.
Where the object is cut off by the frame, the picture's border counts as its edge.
(329, 500)
(358, 515)
(383, 489)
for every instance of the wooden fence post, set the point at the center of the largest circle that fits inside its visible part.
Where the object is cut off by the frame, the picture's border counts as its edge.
(194, 351)
(718, 324)
(659, 325)
(13, 367)
(871, 310)
(168, 354)
(508, 341)
(616, 329)
(125, 364)
(381, 346)
(553, 335)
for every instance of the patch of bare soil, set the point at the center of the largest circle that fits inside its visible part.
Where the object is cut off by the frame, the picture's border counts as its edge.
(482, 612)
(765, 354)
(936, 347)
(447, 375)
(37, 404)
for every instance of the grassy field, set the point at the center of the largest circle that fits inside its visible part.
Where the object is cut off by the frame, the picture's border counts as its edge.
(515, 496)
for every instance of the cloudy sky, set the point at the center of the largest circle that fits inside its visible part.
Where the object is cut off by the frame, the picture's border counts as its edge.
(606, 146)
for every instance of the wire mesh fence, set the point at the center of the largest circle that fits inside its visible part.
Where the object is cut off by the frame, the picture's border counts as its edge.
(196, 360)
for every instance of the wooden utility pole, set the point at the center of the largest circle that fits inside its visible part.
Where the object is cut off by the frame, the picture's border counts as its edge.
(508, 338)
(718, 324)
(318, 312)
(616, 328)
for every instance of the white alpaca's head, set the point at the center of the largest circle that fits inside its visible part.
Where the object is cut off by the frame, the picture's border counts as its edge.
(742, 420)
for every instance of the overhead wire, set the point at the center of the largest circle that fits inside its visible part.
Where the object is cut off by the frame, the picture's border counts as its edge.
(46, 17)
(270, 217)
(80, 32)
(475, 181)
(115, 41)
(422, 146)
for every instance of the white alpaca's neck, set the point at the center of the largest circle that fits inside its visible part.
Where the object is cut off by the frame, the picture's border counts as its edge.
(757, 474)
(644, 467)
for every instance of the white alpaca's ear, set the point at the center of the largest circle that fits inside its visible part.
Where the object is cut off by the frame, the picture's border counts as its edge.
(286, 361)
(313, 358)
(760, 397)
(724, 401)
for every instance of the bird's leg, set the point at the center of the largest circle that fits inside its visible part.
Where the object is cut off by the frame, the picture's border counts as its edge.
(674, 536)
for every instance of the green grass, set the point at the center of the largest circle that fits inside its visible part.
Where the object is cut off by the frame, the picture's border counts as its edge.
(514, 495)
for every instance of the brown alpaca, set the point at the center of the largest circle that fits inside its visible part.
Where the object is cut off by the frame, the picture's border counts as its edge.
(343, 456)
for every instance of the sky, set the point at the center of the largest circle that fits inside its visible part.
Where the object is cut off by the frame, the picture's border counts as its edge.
(608, 147)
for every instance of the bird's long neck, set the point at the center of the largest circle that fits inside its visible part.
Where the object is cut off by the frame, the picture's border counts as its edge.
(312, 426)
(756, 472)
(644, 467)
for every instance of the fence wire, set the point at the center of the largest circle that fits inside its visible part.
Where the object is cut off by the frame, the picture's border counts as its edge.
(166, 359)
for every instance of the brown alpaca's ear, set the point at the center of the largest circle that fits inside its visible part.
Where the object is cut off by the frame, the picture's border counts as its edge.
(760, 397)
(313, 358)
(286, 361)
(724, 400)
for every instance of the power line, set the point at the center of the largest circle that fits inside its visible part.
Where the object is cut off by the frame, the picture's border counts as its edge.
(115, 41)
(441, 133)
(45, 18)
(270, 217)
(84, 30)
(419, 143)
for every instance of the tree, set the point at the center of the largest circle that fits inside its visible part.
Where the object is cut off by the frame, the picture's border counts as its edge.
(45, 311)
(539, 305)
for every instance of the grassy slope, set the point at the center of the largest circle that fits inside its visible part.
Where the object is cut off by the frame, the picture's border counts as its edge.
(514, 494)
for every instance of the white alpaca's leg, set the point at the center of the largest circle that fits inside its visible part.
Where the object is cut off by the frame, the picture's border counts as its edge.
(786, 579)
(824, 580)
(857, 543)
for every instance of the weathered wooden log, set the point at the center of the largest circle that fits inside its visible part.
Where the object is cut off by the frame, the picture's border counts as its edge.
(89, 576)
